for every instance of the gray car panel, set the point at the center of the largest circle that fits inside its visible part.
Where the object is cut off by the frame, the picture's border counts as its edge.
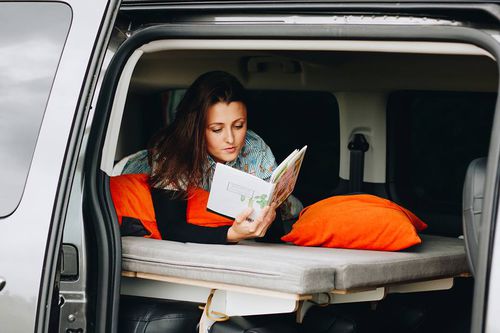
(23, 251)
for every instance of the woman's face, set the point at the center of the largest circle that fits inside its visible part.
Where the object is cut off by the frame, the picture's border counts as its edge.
(225, 131)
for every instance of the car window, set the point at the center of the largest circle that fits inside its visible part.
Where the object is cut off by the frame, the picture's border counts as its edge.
(32, 37)
(433, 136)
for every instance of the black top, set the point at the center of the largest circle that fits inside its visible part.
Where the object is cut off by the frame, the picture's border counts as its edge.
(170, 211)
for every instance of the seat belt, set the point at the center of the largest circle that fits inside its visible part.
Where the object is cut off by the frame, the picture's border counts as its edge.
(357, 146)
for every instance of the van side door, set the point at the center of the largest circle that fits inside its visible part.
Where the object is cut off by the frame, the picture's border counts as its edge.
(50, 54)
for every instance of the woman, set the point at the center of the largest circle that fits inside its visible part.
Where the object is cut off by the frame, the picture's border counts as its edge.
(210, 126)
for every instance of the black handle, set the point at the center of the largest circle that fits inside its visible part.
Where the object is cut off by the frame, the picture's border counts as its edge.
(2, 283)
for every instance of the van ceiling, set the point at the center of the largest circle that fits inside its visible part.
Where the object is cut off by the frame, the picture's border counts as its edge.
(320, 70)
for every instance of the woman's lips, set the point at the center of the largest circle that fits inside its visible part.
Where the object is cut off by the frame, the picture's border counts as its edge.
(230, 150)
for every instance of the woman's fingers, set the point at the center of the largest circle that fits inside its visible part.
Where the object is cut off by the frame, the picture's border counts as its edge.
(248, 228)
(266, 218)
(272, 211)
(261, 223)
(243, 216)
(269, 214)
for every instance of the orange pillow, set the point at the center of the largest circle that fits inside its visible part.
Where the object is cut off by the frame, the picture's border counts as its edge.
(131, 196)
(197, 212)
(360, 221)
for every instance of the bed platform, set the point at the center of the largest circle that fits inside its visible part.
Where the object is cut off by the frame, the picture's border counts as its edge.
(260, 278)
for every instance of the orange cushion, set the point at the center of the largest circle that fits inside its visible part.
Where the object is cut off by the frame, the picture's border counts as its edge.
(197, 212)
(131, 196)
(359, 221)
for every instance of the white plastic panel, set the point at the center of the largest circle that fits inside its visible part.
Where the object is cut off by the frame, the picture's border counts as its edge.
(363, 113)
(229, 302)
(115, 120)
(317, 45)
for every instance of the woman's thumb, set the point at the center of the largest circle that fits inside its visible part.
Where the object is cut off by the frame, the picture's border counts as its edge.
(243, 215)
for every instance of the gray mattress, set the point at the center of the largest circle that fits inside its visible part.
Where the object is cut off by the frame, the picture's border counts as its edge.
(295, 269)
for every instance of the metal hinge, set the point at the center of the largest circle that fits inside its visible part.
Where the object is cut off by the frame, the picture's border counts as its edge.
(73, 317)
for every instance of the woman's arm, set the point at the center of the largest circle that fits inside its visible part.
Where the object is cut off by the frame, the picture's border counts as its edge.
(170, 214)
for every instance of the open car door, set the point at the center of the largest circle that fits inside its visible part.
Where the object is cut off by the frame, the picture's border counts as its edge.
(51, 53)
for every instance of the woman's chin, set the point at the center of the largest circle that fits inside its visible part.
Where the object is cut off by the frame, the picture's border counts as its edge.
(229, 160)
(226, 158)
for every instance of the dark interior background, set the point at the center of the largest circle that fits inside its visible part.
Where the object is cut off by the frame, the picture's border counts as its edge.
(288, 120)
(432, 138)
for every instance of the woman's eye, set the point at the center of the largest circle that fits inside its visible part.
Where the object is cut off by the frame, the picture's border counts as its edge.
(238, 126)
(216, 130)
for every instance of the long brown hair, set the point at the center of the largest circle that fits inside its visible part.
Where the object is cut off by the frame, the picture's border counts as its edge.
(178, 153)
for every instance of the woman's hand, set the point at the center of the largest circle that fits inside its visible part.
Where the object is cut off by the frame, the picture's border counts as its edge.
(243, 228)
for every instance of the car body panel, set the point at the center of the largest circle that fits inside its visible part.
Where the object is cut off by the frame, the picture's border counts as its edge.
(23, 252)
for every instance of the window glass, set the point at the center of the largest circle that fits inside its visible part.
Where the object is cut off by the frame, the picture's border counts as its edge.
(32, 37)
(433, 136)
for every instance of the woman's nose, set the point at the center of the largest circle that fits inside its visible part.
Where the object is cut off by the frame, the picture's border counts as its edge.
(229, 136)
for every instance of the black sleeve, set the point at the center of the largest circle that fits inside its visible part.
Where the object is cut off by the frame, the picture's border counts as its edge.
(170, 214)
(275, 231)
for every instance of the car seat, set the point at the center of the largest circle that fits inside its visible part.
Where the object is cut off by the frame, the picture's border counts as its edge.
(473, 193)
(150, 315)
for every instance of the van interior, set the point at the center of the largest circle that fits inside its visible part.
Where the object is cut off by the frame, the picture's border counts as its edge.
(426, 110)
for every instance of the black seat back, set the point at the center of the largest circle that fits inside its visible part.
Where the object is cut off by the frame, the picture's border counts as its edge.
(287, 120)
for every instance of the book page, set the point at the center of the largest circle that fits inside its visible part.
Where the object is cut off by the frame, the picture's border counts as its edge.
(233, 190)
(282, 166)
(287, 176)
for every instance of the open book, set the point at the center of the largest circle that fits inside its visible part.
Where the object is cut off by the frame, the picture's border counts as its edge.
(234, 190)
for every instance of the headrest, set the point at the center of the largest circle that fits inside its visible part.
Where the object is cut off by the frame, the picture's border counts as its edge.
(472, 201)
